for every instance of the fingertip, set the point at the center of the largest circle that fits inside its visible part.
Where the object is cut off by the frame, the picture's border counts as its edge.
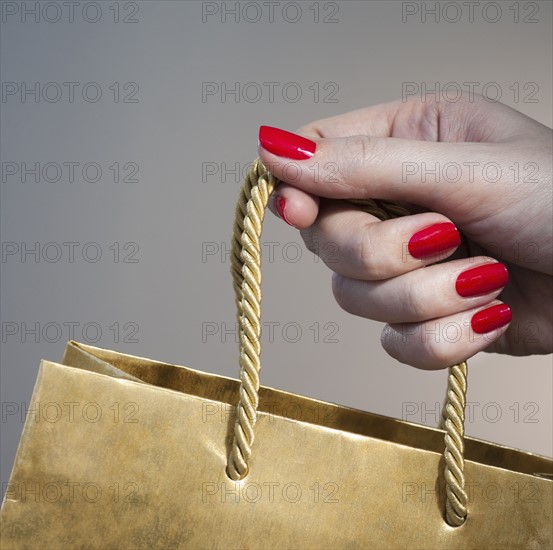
(295, 207)
(286, 144)
(441, 342)
(491, 319)
(434, 240)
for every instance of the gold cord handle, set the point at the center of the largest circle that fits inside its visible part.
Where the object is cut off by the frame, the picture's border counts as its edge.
(246, 272)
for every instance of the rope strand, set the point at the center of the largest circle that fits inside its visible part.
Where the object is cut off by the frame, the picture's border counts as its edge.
(246, 273)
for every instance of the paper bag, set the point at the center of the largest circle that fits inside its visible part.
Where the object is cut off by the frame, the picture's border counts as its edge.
(125, 452)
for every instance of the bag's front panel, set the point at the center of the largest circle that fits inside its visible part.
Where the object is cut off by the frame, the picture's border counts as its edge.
(110, 463)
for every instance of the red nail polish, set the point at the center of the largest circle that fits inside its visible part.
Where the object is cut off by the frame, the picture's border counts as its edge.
(434, 240)
(280, 203)
(481, 279)
(286, 144)
(491, 318)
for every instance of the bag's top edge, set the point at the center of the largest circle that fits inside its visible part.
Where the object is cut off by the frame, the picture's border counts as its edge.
(223, 389)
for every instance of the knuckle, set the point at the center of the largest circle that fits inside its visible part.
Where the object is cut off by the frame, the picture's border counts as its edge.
(340, 290)
(435, 354)
(408, 344)
(415, 304)
(386, 339)
(366, 150)
(392, 343)
(310, 239)
(374, 266)
(317, 242)
(308, 130)
(365, 251)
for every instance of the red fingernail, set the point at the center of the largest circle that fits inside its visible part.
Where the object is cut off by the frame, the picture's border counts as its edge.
(491, 318)
(280, 203)
(481, 279)
(286, 144)
(434, 240)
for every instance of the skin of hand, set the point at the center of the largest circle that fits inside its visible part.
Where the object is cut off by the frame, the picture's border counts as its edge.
(477, 164)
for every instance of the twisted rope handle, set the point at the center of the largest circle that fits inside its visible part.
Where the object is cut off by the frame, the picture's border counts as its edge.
(246, 272)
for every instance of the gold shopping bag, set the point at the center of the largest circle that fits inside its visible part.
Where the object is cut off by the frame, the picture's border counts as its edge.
(144, 454)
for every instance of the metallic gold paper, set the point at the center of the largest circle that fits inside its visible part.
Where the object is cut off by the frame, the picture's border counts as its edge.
(125, 452)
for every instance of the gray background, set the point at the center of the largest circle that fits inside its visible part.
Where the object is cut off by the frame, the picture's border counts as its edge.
(177, 215)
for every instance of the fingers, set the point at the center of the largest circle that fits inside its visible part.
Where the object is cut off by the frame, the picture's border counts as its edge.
(438, 315)
(364, 166)
(440, 343)
(472, 118)
(425, 155)
(357, 245)
(437, 291)
(375, 120)
(295, 207)
(419, 126)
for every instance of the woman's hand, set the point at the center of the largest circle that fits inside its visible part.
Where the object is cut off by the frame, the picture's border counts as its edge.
(474, 168)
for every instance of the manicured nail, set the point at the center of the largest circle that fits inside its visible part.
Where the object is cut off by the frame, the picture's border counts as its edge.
(280, 203)
(482, 279)
(434, 240)
(491, 318)
(285, 144)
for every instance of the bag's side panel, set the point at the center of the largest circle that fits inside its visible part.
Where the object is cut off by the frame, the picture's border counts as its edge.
(128, 465)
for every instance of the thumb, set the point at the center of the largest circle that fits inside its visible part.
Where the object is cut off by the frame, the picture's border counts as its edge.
(430, 174)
